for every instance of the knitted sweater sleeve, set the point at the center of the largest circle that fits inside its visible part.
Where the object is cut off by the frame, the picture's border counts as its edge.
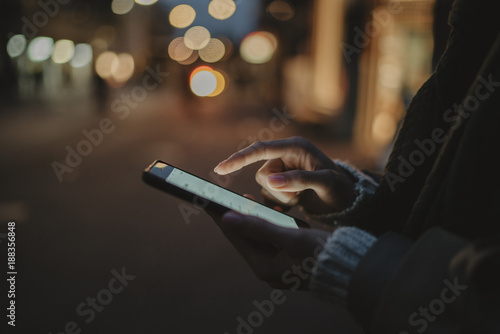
(346, 246)
(337, 261)
(364, 188)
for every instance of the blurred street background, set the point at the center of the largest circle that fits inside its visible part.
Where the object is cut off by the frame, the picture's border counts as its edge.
(91, 92)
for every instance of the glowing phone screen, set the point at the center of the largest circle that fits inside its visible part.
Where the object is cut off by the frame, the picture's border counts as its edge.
(224, 197)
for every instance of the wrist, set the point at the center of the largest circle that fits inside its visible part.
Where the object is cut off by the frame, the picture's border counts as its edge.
(362, 189)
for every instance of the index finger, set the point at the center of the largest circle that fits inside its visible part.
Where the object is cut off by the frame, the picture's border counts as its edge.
(258, 151)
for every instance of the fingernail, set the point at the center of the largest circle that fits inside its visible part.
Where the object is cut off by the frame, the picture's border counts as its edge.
(232, 218)
(276, 180)
(217, 167)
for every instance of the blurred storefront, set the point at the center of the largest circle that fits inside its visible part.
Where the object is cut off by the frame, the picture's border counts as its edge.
(396, 61)
(349, 64)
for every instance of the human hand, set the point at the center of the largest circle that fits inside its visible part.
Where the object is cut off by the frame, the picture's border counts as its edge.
(295, 173)
(282, 257)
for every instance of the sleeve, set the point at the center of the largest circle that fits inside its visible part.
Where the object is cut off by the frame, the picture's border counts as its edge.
(337, 261)
(437, 284)
(364, 188)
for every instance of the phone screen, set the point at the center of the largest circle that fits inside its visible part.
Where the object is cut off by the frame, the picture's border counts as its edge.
(219, 195)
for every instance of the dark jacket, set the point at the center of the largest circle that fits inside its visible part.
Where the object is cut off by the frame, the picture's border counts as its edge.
(436, 265)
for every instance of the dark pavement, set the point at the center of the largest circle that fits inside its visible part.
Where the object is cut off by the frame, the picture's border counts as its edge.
(102, 236)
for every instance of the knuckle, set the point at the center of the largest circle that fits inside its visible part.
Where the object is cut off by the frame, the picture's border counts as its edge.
(299, 177)
(261, 176)
(260, 179)
(298, 140)
(331, 177)
(255, 145)
(259, 145)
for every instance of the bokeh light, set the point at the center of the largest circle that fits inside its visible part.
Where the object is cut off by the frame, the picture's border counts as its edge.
(383, 128)
(178, 51)
(83, 55)
(221, 84)
(196, 38)
(221, 9)
(258, 47)
(104, 62)
(228, 46)
(64, 49)
(214, 51)
(182, 16)
(122, 7)
(190, 60)
(199, 69)
(146, 2)
(40, 49)
(390, 75)
(122, 67)
(16, 46)
(272, 39)
(281, 10)
(204, 81)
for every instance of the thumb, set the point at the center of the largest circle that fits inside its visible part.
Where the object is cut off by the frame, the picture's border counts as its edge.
(298, 180)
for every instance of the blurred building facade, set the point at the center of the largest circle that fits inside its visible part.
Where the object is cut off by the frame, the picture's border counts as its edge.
(349, 64)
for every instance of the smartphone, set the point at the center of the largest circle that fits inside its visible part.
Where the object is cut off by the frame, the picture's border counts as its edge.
(210, 196)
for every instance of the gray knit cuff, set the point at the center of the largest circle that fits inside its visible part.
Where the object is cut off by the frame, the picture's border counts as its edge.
(337, 261)
(364, 189)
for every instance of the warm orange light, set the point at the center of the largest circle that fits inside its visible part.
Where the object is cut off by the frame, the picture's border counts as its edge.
(383, 128)
(221, 84)
(198, 69)
(103, 64)
(206, 82)
(213, 52)
(122, 67)
(178, 51)
(258, 47)
(221, 9)
(196, 38)
(191, 59)
(182, 16)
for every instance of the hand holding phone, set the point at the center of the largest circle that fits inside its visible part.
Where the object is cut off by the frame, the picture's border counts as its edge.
(219, 200)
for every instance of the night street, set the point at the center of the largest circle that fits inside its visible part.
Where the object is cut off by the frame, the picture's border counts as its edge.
(92, 92)
(71, 235)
